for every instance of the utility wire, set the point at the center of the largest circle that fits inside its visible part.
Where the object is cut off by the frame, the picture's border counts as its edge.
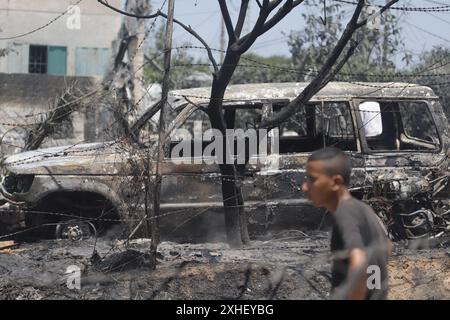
(444, 8)
(42, 27)
(428, 32)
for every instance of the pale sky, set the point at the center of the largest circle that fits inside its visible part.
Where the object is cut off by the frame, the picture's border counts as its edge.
(204, 16)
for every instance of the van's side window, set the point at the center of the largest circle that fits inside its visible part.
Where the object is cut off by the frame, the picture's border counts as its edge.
(418, 123)
(193, 128)
(398, 125)
(190, 132)
(315, 126)
(337, 125)
(193, 131)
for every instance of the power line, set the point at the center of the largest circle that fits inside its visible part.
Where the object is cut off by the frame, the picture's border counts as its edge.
(444, 8)
(428, 32)
(42, 27)
(308, 72)
(436, 2)
(439, 18)
(438, 64)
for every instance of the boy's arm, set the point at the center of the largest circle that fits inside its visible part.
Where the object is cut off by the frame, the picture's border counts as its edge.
(390, 247)
(357, 268)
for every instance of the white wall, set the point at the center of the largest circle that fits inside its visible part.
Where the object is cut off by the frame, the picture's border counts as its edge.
(13, 138)
(99, 26)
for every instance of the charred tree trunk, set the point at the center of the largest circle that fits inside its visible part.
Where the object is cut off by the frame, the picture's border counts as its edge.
(235, 219)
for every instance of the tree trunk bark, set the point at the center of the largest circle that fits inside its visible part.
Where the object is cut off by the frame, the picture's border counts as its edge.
(235, 218)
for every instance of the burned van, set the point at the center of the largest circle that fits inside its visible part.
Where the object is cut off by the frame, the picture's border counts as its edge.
(396, 136)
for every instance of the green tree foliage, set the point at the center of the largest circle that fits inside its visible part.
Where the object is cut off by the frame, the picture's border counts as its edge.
(252, 68)
(183, 64)
(436, 63)
(257, 69)
(379, 43)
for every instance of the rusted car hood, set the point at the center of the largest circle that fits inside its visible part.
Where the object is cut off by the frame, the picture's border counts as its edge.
(92, 158)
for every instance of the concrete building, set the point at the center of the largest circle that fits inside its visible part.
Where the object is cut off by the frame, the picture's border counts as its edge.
(77, 44)
(25, 99)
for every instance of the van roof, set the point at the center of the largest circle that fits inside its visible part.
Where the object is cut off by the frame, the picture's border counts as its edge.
(290, 90)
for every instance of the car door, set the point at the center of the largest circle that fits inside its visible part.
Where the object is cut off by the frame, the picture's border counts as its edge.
(314, 126)
(191, 186)
(399, 137)
(398, 133)
(403, 153)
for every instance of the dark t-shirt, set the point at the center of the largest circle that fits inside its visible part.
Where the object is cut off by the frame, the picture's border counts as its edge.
(355, 225)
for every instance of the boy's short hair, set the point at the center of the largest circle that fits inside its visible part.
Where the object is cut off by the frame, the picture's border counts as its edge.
(336, 162)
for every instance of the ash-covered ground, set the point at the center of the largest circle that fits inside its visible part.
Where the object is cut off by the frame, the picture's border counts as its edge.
(290, 266)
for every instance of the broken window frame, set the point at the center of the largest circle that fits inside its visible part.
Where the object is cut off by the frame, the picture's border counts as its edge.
(320, 104)
(363, 139)
(188, 109)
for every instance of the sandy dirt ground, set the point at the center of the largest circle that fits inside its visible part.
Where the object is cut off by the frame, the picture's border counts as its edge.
(273, 269)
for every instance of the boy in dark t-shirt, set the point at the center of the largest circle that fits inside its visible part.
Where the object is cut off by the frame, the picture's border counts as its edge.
(359, 243)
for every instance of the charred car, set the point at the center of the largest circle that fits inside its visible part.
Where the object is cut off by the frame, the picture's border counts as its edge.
(396, 136)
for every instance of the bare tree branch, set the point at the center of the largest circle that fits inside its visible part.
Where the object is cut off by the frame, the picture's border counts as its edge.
(387, 6)
(228, 23)
(196, 35)
(280, 15)
(246, 42)
(326, 73)
(262, 26)
(342, 62)
(149, 113)
(274, 4)
(241, 18)
(185, 27)
(66, 104)
(150, 16)
(319, 81)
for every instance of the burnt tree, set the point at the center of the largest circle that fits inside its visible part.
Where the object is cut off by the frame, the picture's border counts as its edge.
(237, 45)
(271, 12)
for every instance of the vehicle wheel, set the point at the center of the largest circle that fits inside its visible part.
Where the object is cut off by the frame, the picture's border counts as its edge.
(75, 230)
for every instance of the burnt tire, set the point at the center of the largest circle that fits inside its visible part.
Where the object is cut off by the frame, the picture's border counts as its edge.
(75, 230)
(65, 208)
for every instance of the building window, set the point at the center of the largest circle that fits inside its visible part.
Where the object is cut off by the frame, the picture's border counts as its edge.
(91, 61)
(48, 59)
(38, 59)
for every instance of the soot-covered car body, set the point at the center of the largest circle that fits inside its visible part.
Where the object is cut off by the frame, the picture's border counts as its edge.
(396, 135)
